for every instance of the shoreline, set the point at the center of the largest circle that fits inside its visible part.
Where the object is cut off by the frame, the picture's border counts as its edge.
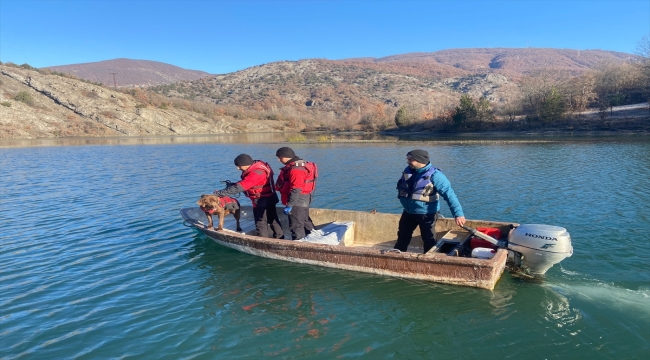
(414, 133)
(322, 138)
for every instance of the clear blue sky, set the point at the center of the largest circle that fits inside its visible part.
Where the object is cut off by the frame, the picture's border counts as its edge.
(225, 36)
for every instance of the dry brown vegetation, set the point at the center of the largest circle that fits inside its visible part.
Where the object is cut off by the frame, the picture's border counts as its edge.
(321, 94)
(41, 104)
(512, 62)
(542, 86)
(447, 91)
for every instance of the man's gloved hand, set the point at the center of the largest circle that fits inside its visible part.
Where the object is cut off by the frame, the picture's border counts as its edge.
(219, 193)
(287, 210)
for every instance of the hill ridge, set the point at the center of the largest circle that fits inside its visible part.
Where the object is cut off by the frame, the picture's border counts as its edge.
(129, 72)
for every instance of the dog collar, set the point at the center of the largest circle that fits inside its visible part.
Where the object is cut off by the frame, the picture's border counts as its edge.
(207, 211)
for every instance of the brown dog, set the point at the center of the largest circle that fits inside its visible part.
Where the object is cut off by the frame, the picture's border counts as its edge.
(220, 206)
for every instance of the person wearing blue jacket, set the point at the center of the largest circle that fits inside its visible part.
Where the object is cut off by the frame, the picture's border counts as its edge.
(419, 190)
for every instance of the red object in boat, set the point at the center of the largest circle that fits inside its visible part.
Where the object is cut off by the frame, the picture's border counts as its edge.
(475, 242)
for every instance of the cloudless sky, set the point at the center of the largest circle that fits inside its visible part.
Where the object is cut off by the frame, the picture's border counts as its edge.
(225, 36)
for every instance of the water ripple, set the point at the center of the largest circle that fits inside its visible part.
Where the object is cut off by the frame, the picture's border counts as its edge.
(110, 272)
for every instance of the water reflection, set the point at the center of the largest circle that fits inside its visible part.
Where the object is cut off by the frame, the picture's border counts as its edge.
(314, 137)
(243, 138)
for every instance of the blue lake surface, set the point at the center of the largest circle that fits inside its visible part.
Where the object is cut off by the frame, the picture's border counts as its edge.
(95, 261)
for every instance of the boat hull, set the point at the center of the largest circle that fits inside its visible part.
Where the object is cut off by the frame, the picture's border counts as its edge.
(365, 256)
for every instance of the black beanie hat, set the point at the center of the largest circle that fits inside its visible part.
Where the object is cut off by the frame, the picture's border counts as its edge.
(285, 152)
(421, 156)
(243, 160)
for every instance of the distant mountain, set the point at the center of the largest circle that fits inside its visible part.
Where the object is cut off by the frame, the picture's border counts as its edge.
(506, 61)
(130, 72)
(453, 63)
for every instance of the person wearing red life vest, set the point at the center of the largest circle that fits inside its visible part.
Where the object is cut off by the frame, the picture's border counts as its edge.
(257, 184)
(296, 184)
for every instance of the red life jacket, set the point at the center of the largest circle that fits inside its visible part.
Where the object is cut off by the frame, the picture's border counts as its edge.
(259, 169)
(223, 202)
(308, 182)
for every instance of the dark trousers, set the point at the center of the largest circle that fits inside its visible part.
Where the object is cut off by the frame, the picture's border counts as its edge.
(267, 223)
(299, 222)
(408, 223)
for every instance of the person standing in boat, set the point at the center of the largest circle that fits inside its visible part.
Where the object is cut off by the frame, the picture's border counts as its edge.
(296, 184)
(419, 190)
(257, 184)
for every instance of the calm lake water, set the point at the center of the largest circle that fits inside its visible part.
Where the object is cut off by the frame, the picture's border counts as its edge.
(95, 261)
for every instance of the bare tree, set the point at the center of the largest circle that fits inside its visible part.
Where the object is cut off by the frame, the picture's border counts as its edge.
(579, 91)
(609, 79)
(534, 90)
(643, 50)
(511, 108)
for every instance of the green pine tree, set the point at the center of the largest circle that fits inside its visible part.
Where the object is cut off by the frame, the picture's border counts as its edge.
(465, 112)
(402, 118)
(552, 107)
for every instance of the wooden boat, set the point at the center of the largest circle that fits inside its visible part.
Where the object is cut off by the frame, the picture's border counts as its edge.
(366, 245)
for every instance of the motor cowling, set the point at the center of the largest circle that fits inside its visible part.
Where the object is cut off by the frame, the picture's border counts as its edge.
(542, 246)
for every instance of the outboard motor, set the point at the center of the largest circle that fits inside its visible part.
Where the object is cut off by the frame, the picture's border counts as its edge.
(538, 247)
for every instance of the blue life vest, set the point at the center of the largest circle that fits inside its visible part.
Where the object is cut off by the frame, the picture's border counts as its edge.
(422, 190)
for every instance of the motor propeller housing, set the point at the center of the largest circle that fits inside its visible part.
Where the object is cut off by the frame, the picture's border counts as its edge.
(542, 246)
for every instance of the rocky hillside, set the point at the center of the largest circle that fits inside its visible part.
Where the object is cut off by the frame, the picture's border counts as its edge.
(319, 91)
(38, 105)
(329, 86)
(129, 72)
(288, 95)
(424, 79)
